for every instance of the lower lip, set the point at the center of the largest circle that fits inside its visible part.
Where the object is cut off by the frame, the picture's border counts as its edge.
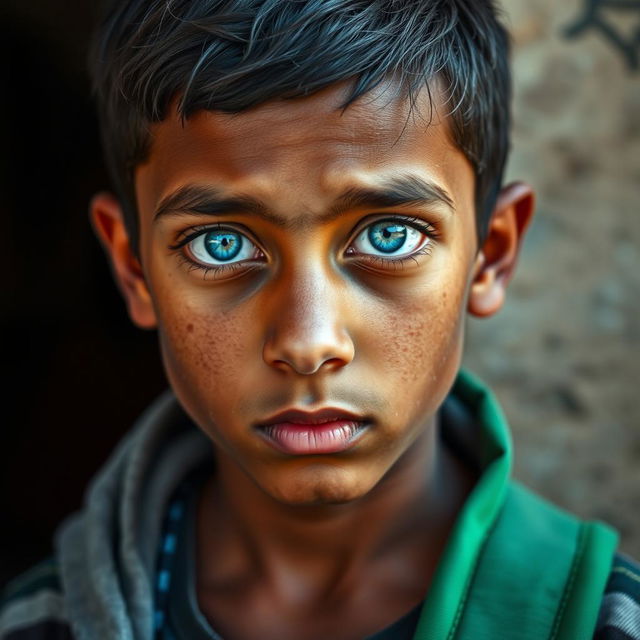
(301, 439)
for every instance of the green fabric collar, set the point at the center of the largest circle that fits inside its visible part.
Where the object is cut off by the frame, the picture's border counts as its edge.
(455, 569)
(515, 566)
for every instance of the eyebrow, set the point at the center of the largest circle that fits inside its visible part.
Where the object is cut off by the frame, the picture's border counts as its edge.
(405, 190)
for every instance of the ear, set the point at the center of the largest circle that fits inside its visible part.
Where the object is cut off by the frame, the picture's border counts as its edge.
(496, 260)
(107, 220)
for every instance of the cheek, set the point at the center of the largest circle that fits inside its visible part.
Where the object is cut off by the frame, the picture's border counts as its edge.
(202, 348)
(205, 335)
(419, 338)
(415, 348)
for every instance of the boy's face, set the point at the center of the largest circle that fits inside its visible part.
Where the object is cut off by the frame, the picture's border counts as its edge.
(342, 256)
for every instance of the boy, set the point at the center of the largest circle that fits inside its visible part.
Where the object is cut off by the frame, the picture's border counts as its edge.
(309, 200)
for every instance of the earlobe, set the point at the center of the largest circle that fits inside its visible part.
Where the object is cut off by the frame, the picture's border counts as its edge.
(108, 224)
(498, 254)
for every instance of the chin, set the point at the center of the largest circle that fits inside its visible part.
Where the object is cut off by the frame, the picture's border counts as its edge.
(318, 485)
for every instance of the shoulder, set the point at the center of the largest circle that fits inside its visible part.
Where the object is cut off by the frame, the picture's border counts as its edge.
(619, 617)
(32, 605)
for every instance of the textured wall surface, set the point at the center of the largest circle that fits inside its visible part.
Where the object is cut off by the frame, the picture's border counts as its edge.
(564, 354)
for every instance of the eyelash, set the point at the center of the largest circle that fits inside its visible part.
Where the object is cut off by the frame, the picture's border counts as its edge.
(193, 232)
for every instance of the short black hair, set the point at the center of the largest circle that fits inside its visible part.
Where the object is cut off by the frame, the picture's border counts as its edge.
(231, 55)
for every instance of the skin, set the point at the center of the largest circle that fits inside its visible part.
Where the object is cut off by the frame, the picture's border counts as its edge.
(311, 321)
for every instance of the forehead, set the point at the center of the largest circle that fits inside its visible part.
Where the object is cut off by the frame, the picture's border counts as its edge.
(298, 154)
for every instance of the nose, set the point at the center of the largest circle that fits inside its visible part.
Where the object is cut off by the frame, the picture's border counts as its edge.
(307, 332)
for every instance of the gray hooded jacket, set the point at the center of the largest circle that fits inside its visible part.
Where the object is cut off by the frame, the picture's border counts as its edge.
(106, 553)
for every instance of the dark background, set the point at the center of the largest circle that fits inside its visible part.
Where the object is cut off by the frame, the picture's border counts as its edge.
(76, 372)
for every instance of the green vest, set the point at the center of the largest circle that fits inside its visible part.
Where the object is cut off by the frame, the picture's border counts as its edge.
(515, 567)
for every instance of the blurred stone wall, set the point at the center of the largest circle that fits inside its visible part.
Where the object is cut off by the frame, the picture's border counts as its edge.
(563, 355)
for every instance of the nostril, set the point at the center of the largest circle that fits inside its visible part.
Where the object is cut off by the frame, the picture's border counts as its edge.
(333, 363)
(281, 365)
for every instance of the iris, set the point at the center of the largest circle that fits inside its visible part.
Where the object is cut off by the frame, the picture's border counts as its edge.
(387, 236)
(223, 245)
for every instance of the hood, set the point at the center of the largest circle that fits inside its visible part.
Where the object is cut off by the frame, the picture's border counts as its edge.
(107, 551)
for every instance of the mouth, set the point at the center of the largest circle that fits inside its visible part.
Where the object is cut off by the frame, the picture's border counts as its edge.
(306, 433)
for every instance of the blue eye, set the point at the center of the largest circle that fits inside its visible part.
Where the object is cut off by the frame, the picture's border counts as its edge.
(222, 246)
(389, 238)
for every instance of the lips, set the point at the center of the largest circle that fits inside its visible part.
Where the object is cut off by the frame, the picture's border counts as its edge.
(319, 432)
